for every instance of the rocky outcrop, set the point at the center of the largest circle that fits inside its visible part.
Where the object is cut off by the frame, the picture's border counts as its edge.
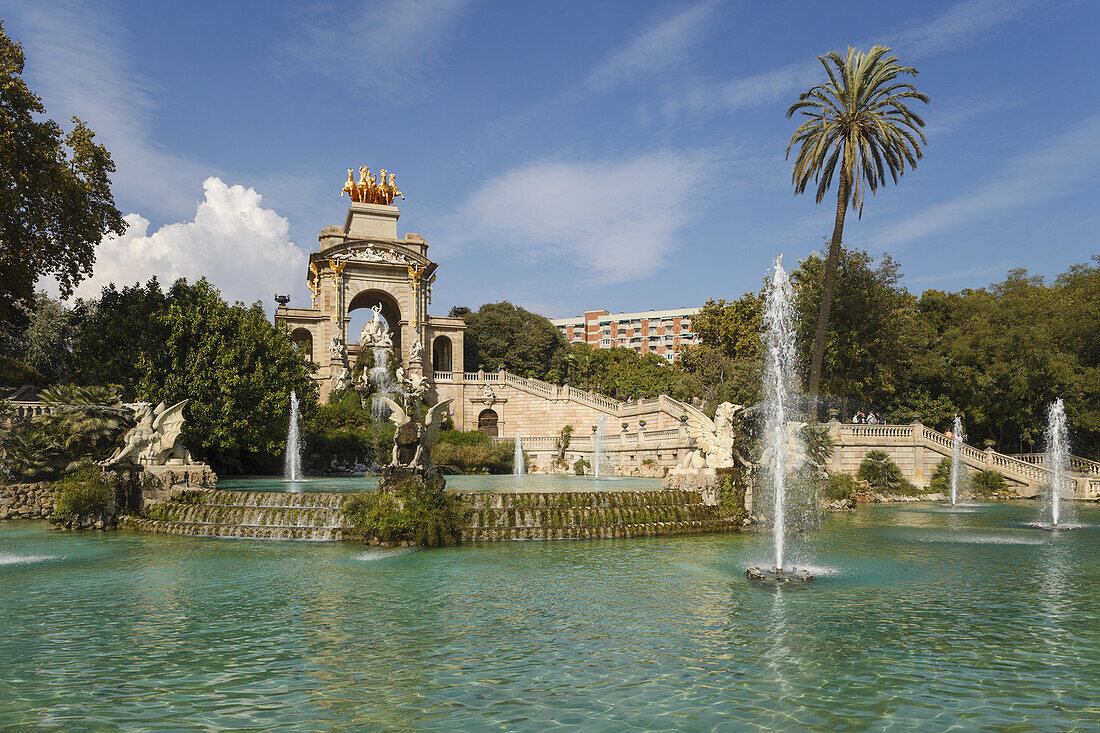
(26, 501)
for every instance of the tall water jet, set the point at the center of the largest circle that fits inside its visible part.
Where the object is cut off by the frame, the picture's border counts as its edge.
(1057, 460)
(597, 440)
(956, 458)
(517, 458)
(292, 465)
(779, 395)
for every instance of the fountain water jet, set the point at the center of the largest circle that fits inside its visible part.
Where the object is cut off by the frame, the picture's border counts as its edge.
(597, 440)
(1057, 460)
(292, 465)
(382, 383)
(517, 458)
(956, 459)
(780, 392)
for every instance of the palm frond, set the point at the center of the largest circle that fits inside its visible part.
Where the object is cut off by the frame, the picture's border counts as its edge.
(858, 125)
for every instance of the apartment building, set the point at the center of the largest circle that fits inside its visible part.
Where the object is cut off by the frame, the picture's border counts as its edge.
(651, 332)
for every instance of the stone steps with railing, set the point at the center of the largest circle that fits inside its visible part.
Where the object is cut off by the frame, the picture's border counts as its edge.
(1030, 476)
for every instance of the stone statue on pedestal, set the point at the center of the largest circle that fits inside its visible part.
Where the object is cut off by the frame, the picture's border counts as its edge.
(374, 332)
(413, 440)
(154, 440)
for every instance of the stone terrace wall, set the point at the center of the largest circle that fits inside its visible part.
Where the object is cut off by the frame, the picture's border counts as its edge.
(533, 407)
(26, 501)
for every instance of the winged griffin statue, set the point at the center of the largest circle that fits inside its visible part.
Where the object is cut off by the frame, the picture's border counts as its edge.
(412, 442)
(716, 439)
(154, 441)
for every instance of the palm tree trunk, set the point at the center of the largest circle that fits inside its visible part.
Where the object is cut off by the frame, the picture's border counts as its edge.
(827, 291)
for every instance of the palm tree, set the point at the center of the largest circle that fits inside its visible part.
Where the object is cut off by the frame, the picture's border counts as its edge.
(857, 126)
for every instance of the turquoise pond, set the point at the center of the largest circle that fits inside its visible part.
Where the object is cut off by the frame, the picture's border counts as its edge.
(496, 484)
(922, 619)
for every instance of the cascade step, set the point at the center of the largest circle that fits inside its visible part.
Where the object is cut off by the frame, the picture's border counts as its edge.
(493, 517)
(239, 531)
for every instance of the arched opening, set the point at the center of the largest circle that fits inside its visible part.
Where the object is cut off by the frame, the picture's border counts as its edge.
(487, 422)
(303, 339)
(391, 314)
(441, 354)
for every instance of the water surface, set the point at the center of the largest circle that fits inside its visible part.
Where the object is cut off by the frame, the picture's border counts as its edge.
(921, 620)
(494, 483)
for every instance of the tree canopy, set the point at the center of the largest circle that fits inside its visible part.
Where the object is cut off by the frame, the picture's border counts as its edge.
(505, 335)
(55, 191)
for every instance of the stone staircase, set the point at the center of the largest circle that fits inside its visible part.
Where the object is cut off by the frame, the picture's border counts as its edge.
(245, 514)
(917, 448)
(590, 515)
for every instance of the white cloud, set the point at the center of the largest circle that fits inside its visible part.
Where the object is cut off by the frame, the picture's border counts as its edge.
(393, 41)
(961, 24)
(615, 220)
(1052, 170)
(653, 50)
(233, 241)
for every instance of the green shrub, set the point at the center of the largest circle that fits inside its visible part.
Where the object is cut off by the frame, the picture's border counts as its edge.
(880, 471)
(464, 437)
(87, 492)
(840, 486)
(941, 477)
(579, 465)
(731, 496)
(472, 452)
(984, 483)
(819, 444)
(415, 512)
(157, 512)
(347, 445)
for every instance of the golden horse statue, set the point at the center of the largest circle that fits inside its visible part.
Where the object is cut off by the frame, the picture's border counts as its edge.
(349, 187)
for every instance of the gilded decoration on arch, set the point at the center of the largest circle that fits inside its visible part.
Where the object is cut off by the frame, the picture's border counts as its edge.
(370, 190)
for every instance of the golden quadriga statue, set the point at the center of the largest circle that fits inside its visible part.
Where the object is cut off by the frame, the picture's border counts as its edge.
(369, 190)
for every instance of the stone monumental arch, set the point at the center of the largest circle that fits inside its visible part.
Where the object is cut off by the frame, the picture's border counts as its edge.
(365, 265)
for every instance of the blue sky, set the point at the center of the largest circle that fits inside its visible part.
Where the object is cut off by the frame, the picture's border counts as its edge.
(567, 155)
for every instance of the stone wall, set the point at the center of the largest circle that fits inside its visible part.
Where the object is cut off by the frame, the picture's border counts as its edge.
(532, 407)
(26, 501)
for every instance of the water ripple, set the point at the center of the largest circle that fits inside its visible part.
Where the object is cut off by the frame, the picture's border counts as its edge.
(928, 621)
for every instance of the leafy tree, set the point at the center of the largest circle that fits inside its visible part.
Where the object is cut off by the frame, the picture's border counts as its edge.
(873, 333)
(45, 344)
(524, 343)
(733, 328)
(55, 195)
(858, 126)
(237, 370)
(114, 330)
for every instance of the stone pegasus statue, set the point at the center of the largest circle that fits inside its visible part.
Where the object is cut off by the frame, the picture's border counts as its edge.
(412, 442)
(716, 439)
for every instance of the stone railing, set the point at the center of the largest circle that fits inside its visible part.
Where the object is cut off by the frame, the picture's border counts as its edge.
(28, 408)
(535, 386)
(1077, 464)
(897, 436)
